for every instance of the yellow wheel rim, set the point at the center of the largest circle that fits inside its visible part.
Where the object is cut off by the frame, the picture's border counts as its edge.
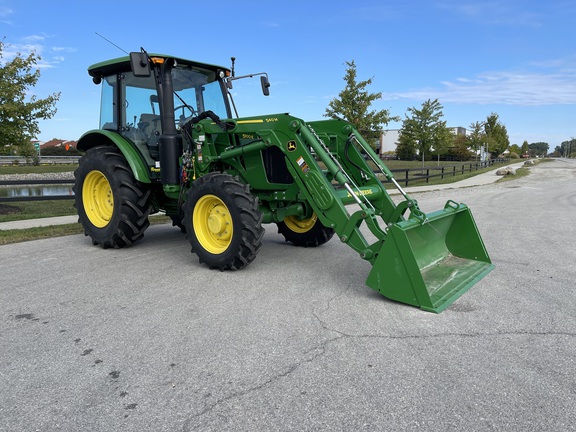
(97, 199)
(212, 224)
(300, 225)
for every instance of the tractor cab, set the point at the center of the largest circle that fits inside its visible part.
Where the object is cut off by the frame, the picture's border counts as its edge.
(143, 104)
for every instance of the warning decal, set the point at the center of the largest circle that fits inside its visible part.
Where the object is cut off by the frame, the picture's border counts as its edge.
(303, 165)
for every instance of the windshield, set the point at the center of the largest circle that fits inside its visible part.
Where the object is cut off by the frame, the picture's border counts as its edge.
(194, 92)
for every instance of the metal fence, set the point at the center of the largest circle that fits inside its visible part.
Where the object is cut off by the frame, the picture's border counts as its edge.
(408, 175)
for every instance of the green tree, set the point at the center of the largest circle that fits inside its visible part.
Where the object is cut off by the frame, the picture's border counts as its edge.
(19, 112)
(353, 105)
(424, 129)
(445, 142)
(460, 148)
(477, 137)
(568, 148)
(538, 149)
(557, 151)
(525, 149)
(515, 150)
(406, 147)
(496, 135)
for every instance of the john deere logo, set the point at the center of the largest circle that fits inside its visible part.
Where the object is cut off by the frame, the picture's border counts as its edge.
(291, 146)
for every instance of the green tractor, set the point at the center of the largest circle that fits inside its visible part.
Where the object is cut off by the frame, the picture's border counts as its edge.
(170, 140)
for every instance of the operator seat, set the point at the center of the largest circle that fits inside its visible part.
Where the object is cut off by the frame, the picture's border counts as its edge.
(150, 125)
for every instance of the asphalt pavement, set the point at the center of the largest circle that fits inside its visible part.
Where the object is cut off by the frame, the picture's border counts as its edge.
(147, 339)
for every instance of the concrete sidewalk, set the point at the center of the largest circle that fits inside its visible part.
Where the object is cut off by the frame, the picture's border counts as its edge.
(477, 180)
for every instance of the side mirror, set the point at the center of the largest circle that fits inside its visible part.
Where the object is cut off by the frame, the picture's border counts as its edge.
(265, 85)
(139, 64)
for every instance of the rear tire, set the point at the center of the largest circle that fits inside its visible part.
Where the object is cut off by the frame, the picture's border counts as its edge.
(113, 207)
(305, 232)
(222, 221)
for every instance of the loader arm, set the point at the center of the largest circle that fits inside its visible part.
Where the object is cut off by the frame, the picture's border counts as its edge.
(327, 191)
(427, 260)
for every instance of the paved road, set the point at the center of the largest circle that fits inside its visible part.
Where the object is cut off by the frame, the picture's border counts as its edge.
(146, 339)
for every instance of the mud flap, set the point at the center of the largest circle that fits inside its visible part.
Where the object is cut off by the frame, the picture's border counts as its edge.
(430, 264)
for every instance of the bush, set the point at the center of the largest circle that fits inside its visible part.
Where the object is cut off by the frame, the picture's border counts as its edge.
(514, 155)
(459, 153)
(60, 151)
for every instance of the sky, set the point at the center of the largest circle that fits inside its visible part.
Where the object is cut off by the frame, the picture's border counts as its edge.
(516, 58)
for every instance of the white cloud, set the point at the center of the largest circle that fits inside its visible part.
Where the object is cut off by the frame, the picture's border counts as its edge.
(64, 49)
(507, 13)
(32, 39)
(523, 88)
(36, 43)
(5, 11)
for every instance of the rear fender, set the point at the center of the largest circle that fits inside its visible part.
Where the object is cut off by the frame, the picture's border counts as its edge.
(98, 137)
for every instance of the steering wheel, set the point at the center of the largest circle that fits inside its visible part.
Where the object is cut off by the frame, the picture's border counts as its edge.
(183, 117)
(183, 107)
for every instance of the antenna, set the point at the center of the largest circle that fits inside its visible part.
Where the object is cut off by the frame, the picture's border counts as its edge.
(112, 43)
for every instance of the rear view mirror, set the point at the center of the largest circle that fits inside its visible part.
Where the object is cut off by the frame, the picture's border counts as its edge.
(265, 85)
(139, 64)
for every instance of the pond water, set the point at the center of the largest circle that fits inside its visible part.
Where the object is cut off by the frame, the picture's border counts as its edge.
(38, 190)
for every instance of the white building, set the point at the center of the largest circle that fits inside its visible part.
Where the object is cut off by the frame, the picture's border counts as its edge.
(389, 140)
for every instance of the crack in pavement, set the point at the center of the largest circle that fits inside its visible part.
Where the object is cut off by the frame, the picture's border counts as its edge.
(319, 350)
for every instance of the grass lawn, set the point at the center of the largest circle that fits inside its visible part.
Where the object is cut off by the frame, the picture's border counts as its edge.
(35, 209)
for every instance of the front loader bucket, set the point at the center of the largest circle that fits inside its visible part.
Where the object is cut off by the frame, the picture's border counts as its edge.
(430, 264)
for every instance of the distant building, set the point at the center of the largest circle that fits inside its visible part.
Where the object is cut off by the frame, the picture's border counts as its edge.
(459, 130)
(59, 143)
(389, 140)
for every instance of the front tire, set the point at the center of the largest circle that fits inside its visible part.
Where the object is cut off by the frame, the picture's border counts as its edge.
(222, 221)
(308, 232)
(113, 207)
